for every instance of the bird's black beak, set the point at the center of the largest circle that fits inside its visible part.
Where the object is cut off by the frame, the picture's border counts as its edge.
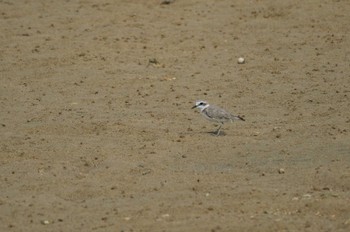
(194, 106)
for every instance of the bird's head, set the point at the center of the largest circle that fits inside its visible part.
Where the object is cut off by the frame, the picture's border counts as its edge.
(201, 105)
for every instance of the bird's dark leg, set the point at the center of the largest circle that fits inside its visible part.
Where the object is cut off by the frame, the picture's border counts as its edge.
(218, 130)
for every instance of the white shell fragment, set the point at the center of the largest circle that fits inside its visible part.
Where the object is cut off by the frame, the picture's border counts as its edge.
(45, 222)
(241, 60)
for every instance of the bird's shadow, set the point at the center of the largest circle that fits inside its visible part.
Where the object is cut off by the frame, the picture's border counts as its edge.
(214, 133)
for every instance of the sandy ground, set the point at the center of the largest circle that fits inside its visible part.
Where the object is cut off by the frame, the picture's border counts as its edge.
(98, 134)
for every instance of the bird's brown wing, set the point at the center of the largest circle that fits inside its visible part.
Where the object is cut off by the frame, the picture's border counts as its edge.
(219, 114)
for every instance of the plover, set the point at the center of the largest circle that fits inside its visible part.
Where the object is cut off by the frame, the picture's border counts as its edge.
(216, 114)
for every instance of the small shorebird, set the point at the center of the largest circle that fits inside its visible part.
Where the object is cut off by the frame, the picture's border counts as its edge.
(216, 114)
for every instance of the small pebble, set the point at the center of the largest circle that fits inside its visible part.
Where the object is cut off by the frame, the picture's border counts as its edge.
(166, 2)
(281, 171)
(241, 60)
(347, 222)
(45, 222)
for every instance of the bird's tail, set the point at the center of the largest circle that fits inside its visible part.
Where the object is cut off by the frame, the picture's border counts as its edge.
(238, 118)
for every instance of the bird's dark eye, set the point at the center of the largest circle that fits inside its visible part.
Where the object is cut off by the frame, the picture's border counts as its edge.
(202, 103)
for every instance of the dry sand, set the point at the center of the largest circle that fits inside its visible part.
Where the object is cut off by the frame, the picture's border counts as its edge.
(97, 131)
